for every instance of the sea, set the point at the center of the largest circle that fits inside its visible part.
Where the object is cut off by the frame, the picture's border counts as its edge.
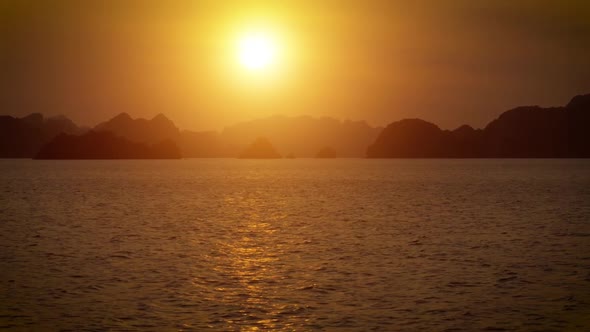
(295, 245)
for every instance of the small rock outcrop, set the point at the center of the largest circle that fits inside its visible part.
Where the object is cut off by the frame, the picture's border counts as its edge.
(326, 152)
(261, 148)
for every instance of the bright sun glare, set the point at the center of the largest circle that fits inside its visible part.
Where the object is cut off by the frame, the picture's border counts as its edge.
(257, 51)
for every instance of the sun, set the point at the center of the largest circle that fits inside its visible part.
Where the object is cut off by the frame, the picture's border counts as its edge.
(257, 51)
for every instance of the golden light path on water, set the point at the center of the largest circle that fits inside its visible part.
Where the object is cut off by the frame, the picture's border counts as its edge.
(249, 260)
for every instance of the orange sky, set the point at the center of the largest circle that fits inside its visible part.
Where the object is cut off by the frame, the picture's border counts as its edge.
(449, 62)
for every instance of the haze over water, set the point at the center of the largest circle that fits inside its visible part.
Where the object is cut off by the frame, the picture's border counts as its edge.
(306, 245)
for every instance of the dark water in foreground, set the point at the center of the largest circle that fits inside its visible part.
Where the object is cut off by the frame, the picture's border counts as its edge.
(318, 245)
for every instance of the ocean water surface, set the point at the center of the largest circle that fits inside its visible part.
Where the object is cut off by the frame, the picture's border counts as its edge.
(295, 245)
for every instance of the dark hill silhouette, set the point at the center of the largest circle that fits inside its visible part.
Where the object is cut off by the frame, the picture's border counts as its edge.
(34, 120)
(304, 136)
(56, 125)
(141, 130)
(22, 138)
(326, 152)
(18, 139)
(466, 141)
(192, 144)
(105, 145)
(522, 132)
(410, 138)
(261, 148)
(528, 132)
(578, 126)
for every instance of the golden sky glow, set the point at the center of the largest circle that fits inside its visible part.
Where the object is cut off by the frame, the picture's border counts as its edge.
(208, 63)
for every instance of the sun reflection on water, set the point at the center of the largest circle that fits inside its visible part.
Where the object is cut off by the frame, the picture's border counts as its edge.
(254, 283)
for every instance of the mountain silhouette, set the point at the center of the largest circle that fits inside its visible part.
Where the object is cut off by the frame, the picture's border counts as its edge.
(522, 132)
(578, 126)
(23, 137)
(105, 145)
(191, 143)
(18, 139)
(285, 133)
(304, 136)
(141, 130)
(261, 148)
(527, 132)
(409, 138)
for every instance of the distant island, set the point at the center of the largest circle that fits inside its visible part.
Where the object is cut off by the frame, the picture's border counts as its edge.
(105, 145)
(304, 136)
(522, 132)
(261, 148)
(24, 137)
(326, 152)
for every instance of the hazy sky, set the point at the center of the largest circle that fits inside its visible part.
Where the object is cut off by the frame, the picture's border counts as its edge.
(449, 62)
